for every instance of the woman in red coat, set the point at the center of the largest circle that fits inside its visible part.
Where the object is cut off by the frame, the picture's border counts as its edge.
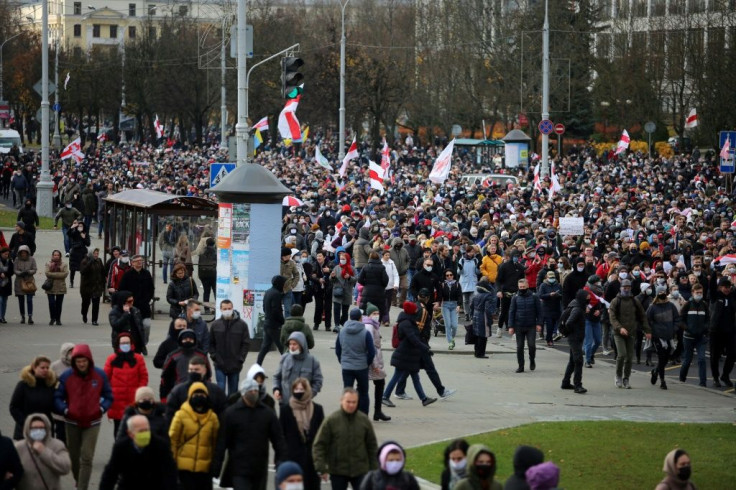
(126, 371)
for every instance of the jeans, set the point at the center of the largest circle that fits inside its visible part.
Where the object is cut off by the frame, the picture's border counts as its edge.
(296, 297)
(3, 306)
(625, 349)
(574, 364)
(409, 276)
(250, 482)
(87, 222)
(81, 444)
(270, 336)
(340, 313)
(503, 317)
(400, 375)
(22, 300)
(698, 344)
(550, 325)
(18, 194)
(607, 333)
(340, 482)
(449, 314)
(530, 334)
(55, 303)
(227, 380)
(65, 234)
(167, 261)
(100, 224)
(287, 300)
(428, 366)
(467, 298)
(592, 339)
(350, 376)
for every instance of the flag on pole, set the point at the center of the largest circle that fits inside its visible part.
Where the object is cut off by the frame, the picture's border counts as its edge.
(726, 150)
(257, 140)
(376, 173)
(261, 125)
(320, 159)
(73, 150)
(159, 128)
(386, 161)
(350, 155)
(305, 133)
(623, 143)
(441, 168)
(66, 80)
(288, 123)
(102, 137)
(692, 119)
(537, 183)
(555, 185)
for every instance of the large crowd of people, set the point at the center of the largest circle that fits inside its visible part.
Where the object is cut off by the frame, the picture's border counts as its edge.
(650, 273)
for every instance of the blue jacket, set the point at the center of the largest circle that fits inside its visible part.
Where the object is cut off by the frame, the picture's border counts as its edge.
(525, 311)
(482, 308)
(468, 271)
(551, 305)
(354, 346)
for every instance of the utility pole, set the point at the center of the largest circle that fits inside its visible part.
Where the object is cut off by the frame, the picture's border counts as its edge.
(241, 128)
(223, 90)
(545, 88)
(44, 205)
(57, 136)
(341, 146)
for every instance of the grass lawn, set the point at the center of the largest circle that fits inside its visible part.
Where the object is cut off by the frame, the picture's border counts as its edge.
(8, 219)
(605, 455)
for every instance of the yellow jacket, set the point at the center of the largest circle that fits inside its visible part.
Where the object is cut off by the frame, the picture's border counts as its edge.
(489, 266)
(194, 435)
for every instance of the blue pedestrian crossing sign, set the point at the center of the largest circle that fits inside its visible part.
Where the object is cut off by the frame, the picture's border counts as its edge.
(219, 171)
(727, 164)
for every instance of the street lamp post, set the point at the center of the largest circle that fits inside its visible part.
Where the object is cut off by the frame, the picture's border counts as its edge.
(341, 147)
(44, 205)
(57, 136)
(241, 128)
(545, 89)
(223, 90)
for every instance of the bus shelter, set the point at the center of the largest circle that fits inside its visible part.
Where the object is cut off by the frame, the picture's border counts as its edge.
(135, 217)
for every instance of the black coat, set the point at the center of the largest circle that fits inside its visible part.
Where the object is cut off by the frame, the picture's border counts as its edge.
(180, 290)
(78, 248)
(141, 285)
(576, 320)
(9, 463)
(180, 393)
(133, 469)
(273, 312)
(29, 399)
(17, 240)
(156, 419)
(425, 280)
(574, 282)
(7, 288)
(408, 354)
(229, 343)
(93, 275)
(509, 273)
(299, 449)
(130, 321)
(374, 279)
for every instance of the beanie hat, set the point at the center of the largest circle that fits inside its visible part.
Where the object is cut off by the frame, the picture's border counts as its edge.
(409, 308)
(594, 279)
(296, 310)
(355, 314)
(187, 333)
(287, 469)
(370, 309)
(285, 251)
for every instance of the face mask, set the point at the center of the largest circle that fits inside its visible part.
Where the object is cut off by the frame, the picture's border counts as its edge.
(294, 486)
(343, 261)
(227, 314)
(393, 467)
(661, 296)
(551, 280)
(684, 473)
(647, 270)
(200, 404)
(697, 297)
(483, 470)
(515, 260)
(581, 268)
(376, 318)
(560, 267)
(125, 348)
(124, 260)
(660, 281)
(143, 438)
(251, 397)
(196, 315)
(28, 205)
(523, 291)
(145, 405)
(675, 294)
(458, 465)
(623, 275)
(625, 293)
(194, 377)
(428, 268)
(636, 273)
(37, 434)
(295, 352)
(68, 206)
(298, 395)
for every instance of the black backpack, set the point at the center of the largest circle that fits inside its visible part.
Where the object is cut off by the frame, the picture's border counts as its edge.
(563, 327)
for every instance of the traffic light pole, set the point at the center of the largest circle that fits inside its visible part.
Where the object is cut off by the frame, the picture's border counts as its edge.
(241, 128)
(341, 144)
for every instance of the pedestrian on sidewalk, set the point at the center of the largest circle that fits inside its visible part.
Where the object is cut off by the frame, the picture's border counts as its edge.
(575, 326)
(25, 285)
(627, 316)
(92, 285)
(525, 319)
(56, 272)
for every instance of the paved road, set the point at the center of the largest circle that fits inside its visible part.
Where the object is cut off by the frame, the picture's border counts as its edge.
(490, 395)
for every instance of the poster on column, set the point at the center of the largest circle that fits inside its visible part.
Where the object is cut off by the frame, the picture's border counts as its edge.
(253, 309)
(240, 259)
(224, 225)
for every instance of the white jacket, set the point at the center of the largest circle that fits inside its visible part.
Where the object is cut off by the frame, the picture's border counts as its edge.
(393, 274)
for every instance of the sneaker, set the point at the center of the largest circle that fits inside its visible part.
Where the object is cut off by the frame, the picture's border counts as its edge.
(653, 379)
(499, 333)
(619, 382)
(567, 386)
(404, 396)
(626, 384)
(452, 345)
(663, 385)
(428, 401)
(588, 365)
(67, 254)
(387, 402)
(520, 370)
(726, 382)
(557, 337)
(606, 352)
(336, 329)
(447, 393)
(580, 390)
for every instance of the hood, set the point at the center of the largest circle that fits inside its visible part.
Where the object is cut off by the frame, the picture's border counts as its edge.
(119, 297)
(397, 241)
(544, 475)
(483, 287)
(386, 448)
(66, 347)
(278, 282)
(186, 333)
(524, 458)
(24, 248)
(26, 375)
(116, 342)
(473, 452)
(581, 297)
(82, 350)
(318, 235)
(299, 337)
(405, 316)
(353, 327)
(254, 370)
(198, 386)
(364, 233)
(172, 331)
(670, 460)
(31, 418)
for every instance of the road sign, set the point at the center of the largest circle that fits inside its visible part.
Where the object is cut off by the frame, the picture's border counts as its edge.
(38, 88)
(219, 171)
(728, 164)
(523, 120)
(560, 128)
(650, 127)
(56, 107)
(546, 126)
(248, 41)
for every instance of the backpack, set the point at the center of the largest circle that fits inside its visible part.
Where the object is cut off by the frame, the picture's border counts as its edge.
(563, 327)
(395, 335)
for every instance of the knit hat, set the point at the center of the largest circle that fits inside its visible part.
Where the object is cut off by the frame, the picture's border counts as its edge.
(296, 310)
(144, 393)
(594, 279)
(355, 314)
(724, 281)
(21, 225)
(249, 384)
(186, 333)
(370, 309)
(625, 283)
(287, 469)
(661, 290)
(643, 246)
(410, 308)
(285, 251)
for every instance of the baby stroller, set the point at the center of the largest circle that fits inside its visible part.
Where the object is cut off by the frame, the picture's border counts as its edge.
(439, 322)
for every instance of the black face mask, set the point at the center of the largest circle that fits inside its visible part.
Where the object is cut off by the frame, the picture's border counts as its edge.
(523, 292)
(298, 395)
(145, 405)
(194, 377)
(483, 470)
(200, 404)
(684, 473)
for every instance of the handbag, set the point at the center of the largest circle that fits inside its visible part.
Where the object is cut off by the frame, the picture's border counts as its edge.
(47, 284)
(28, 285)
(338, 292)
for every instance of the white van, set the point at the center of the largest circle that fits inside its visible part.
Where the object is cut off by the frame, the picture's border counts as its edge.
(486, 180)
(8, 138)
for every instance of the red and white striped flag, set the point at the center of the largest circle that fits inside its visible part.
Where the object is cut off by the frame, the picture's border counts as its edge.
(261, 125)
(350, 155)
(726, 150)
(288, 123)
(692, 119)
(73, 150)
(159, 128)
(376, 175)
(386, 161)
(102, 137)
(623, 143)
(441, 168)
(537, 183)
(555, 184)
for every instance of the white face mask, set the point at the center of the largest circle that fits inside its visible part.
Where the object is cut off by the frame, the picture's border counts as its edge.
(343, 261)
(125, 348)
(428, 268)
(124, 260)
(37, 434)
(376, 317)
(581, 268)
(196, 314)
(227, 313)
(623, 275)
(458, 465)
(294, 486)
(393, 467)
(294, 352)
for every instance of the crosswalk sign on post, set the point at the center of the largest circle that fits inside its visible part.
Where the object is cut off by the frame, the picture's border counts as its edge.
(219, 171)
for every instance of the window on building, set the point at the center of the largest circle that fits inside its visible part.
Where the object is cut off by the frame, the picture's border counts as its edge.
(131, 32)
(95, 30)
(77, 8)
(151, 10)
(77, 30)
(131, 9)
(113, 31)
(183, 10)
(152, 31)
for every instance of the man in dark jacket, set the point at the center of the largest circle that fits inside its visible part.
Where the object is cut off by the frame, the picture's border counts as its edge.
(507, 281)
(273, 320)
(176, 364)
(374, 280)
(246, 428)
(229, 342)
(21, 237)
(139, 280)
(627, 316)
(425, 279)
(197, 373)
(694, 323)
(575, 322)
(139, 461)
(574, 281)
(722, 331)
(28, 215)
(525, 319)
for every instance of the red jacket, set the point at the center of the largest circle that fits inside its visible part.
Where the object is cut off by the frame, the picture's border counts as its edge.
(83, 398)
(532, 270)
(125, 380)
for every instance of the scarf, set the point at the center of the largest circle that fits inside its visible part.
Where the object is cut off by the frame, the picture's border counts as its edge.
(303, 410)
(55, 265)
(122, 357)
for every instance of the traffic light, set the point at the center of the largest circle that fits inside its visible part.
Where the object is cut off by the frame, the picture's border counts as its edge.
(290, 77)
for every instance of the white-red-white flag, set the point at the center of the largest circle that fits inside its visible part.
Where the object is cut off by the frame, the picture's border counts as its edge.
(537, 183)
(692, 119)
(73, 150)
(288, 123)
(102, 137)
(555, 184)
(159, 128)
(350, 155)
(623, 143)
(726, 150)
(441, 168)
(261, 125)
(376, 173)
(386, 161)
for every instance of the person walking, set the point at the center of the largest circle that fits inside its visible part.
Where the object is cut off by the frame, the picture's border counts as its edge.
(722, 330)
(482, 309)
(550, 292)
(663, 320)
(34, 393)
(198, 371)
(82, 396)
(207, 269)
(56, 272)
(124, 317)
(394, 280)
(139, 280)
(126, 372)
(295, 323)
(574, 320)
(45, 459)
(343, 281)
(273, 318)
(694, 318)
(181, 289)
(481, 468)
(193, 435)
(300, 421)
(229, 345)
(29, 217)
(176, 366)
(468, 268)
(678, 469)
(6, 286)
(117, 269)
(400, 256)
(296, 362)
(627, 316)
(145, 404)
(525, 319)
(78, 242)
(507, 284)
(355, 352)
(593, 316)
(322, 287)
(183, 254)
(166, 242)
(374, 279)
(60, 365)
(21, 237)
(390, 473)
(376, 371)
(345, 447)
(92, 285)
(25, 268)
(289, 271)
(452, 295)
(68, 215)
